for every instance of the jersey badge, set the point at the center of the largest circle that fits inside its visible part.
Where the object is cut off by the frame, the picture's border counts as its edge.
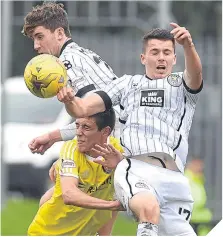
(174, 80)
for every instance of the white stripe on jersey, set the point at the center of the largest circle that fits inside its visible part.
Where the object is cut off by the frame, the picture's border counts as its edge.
(156, 115)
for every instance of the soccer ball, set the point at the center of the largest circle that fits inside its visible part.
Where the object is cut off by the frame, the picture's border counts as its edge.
(45, 75)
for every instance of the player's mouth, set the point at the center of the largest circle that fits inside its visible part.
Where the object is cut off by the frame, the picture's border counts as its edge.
(161, 68)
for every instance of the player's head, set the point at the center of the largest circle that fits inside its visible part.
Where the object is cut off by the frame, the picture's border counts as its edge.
(48, 26)
(158, 53)
(94, 130)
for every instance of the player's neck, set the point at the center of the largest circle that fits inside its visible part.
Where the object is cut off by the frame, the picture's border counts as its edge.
(94, 154)
(63, 44)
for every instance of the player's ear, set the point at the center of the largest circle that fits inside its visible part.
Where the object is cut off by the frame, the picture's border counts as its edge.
(142, 57)
(106, 131)
(60, 33)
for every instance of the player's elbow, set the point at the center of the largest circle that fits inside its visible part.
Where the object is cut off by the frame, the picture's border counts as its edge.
(69, 198)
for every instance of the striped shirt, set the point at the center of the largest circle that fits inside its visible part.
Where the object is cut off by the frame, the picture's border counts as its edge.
(85, 68)
(155, 115)
(86, 72)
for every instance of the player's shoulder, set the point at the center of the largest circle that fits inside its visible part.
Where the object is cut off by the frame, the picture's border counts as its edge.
(116, 143)
(69, 146)
(133, 77)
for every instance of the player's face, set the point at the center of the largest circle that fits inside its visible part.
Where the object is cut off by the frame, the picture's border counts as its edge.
(45, 41)
(88, 135)
(158, 58)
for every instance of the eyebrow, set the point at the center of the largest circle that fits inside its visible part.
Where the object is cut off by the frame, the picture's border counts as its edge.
(36, 34)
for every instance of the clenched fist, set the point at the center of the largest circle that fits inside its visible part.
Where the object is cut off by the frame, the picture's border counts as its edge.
(66, 94)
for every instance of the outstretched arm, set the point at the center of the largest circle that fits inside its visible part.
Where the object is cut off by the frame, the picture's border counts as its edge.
(83, 107)
(44, 142)
(193, 67)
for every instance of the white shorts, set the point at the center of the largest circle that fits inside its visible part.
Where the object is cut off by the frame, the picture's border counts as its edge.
(171, 189)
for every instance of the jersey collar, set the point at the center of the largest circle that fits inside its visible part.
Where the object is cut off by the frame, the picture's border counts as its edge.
(148, 77)
(65, 44)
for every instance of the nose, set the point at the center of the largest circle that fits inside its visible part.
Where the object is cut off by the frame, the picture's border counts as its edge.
(36, 45)
(79, 131)
(161, 56)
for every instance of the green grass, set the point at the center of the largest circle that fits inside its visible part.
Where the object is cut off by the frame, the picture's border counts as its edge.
(18, 214)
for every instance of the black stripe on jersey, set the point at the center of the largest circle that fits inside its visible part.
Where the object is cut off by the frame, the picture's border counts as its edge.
(122, 121)
(178, 144)
(122, 107)
(105, 98)
(65, 45)
(125, 146)
(192, 91)
(181, 121)
(127, 175)
(85, 89)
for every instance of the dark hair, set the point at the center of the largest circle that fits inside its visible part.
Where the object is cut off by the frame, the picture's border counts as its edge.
(104, 119)
(50, 15)
(157, 33)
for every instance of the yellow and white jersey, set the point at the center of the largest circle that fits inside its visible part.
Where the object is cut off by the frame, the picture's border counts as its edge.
(56, 218)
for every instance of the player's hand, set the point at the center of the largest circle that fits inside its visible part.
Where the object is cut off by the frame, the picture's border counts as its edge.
(66, 94)
(111, 156)
(116, 206)
(40, 144)
(181, 35)
(52, 172)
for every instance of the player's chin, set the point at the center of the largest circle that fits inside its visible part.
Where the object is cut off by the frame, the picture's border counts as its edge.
(160, 75)
(82, 148)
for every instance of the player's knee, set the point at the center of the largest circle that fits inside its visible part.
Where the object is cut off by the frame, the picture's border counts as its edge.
(146, 207)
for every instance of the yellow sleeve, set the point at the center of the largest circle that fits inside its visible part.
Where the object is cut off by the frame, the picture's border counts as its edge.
(68, 165)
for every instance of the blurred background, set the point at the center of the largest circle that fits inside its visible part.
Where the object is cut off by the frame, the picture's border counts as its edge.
(114, 30)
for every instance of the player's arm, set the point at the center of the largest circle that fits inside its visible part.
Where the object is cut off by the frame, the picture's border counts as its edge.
(72, 195)
(43, 142)
(46, 196)
(95, 102)
(89, 105)
(193, 67)
(107, 228)
(69, 180)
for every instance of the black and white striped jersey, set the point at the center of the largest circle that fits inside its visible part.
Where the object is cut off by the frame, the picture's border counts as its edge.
(86, 72)
(156, 115)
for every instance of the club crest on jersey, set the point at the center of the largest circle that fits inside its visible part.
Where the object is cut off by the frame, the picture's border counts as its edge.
(174, 80)
(152, 98)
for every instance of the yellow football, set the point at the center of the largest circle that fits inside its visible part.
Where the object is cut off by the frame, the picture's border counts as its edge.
(45, 75)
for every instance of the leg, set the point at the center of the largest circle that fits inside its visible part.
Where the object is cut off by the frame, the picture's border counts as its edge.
(146, 208)
(138, 197)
